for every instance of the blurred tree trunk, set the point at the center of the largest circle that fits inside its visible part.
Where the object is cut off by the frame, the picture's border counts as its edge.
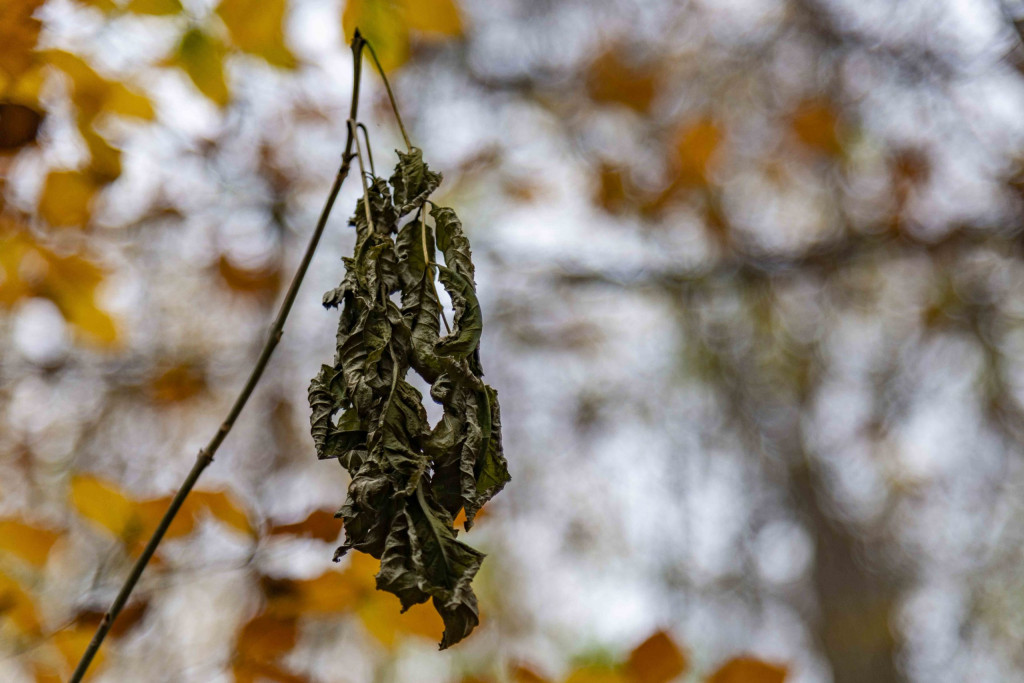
(855, 601)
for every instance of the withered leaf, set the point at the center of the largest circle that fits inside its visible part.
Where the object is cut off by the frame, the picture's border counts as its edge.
(469, 324)
(452, 241)
(410, 480)
(412, 181)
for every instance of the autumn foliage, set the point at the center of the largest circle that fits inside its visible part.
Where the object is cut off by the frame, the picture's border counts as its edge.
(47, 252)
(265, 639)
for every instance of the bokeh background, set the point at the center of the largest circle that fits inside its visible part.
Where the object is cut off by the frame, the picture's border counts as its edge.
(752, 275)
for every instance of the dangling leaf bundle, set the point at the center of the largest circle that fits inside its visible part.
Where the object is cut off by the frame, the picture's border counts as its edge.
(409, 479)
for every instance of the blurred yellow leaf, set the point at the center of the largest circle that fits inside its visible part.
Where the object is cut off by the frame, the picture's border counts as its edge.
(815, 123)
(348, 591)
(133, 521)
(101, 5)
(748, 670)
(362, 572)
(596, 674)
(386, 24)
(24, 89)
(71, 284)
(29, 542)
(21, 32)
(93, 94)
(154, 7)
(656, 660)
(18, 279)
(219, 504)
(150, 512)
(17, 606)
(121, 100)
(611, 78)
(421, 620)
(266, 638)
(330, 593)
(257, 27)
(696, 144)
(438, 17)
(382, 617)
(30, 269)
(223, 506)
(320, 524)
(71, 642)
(201, 56)
(263, 641)
(381, 613)
(102, 503)
(177, 383)
(380, 22)
(66, 199)
(104, 160)
(44, 673)
(159, 8)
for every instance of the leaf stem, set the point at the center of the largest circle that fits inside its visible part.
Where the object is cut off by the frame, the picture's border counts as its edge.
(391, 95)
(205, 456)
(362, 174)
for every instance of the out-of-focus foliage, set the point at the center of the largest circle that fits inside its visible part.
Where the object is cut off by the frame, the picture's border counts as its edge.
(748, 670)
(752, 275)
(200, 55)
(26, 541)
(32, 269)
(658, 659)
(132, 521)
(257, 28)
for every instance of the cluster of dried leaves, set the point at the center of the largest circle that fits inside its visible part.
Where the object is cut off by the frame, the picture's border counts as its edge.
(409, 480)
